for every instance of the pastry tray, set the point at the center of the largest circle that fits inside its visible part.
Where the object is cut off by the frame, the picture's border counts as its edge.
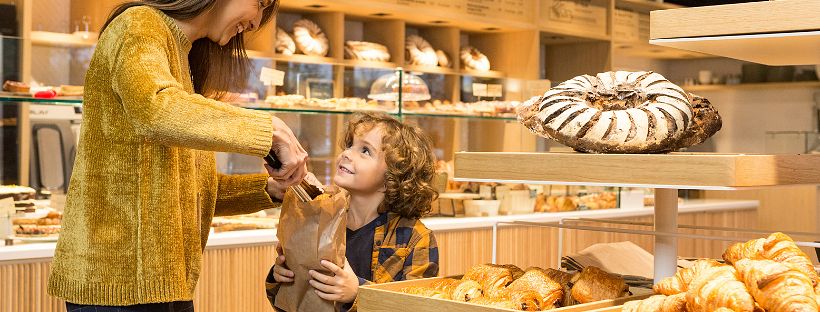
(389, 298)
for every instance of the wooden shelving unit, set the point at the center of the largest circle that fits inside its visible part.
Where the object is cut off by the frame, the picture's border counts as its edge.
(53, 39)
(666, 173)
(766, 32)
(646, 50)
(645, 5)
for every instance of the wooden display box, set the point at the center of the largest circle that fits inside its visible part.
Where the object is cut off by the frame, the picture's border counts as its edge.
(389, 298)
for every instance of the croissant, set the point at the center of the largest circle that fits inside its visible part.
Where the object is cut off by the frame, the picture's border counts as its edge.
(538, 280)
(458, 290)
(423, 291)
(718, 287)
(679, 283)
(593, 284)
(658, 303)
(493, 278)
(777, 287)
(778, 247)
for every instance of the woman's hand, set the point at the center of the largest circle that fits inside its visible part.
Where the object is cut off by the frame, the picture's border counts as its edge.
(293, 157)
(343, 287)
(281, 274)
(275, 189)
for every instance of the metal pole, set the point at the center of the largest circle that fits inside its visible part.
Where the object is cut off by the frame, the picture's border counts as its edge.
(495, 243)
(666, 221)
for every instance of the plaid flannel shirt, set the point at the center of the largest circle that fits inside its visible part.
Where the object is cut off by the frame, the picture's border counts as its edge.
(403, 249)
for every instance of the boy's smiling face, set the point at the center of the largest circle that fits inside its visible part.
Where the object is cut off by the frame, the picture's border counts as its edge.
(361, 166)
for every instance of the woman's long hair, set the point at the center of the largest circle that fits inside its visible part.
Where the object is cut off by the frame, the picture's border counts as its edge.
(216, 69)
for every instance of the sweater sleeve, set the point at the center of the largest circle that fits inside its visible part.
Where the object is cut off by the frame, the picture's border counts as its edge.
(157, 104)
(243, 194)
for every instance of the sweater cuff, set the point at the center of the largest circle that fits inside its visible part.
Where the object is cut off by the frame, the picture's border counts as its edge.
(259, 131)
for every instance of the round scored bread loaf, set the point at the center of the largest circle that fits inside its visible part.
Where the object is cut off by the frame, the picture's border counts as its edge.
(474, 59)
(310, 39)
(621, 112)
(284, 43)
(420, 52)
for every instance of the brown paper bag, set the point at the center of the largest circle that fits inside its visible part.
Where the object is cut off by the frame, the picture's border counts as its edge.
(308, 233)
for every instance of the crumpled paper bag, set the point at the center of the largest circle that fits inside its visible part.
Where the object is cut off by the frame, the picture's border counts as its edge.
(308, 233)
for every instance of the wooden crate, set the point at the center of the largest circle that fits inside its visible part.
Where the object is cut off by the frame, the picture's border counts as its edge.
(389, 298)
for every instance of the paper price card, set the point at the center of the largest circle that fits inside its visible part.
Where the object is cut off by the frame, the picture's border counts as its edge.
(272, 77)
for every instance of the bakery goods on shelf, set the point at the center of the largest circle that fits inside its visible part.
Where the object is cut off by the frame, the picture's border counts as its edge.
(310, 39)
(621, 112)
(298, 101)
(284, 43)
(767, 274)
(43, 225)
(16, 86)
(473, 59)
(536, 289)
(480, 108)
(16, 192)
(69, 90)
(420, 52)
(366, 51)
(443, 58)
(254, 221)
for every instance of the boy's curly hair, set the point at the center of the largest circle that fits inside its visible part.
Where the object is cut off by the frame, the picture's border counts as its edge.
(410, 163)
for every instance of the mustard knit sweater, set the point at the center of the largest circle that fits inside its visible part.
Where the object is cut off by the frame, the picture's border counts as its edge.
(145, 185)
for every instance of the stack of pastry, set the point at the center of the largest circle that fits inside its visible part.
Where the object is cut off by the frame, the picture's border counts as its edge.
(769, 274)
(536, 289)
(38, 227)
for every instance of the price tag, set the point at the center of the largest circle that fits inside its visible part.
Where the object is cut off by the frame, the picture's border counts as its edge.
(270, 76)
(495, 90)
(479, 90)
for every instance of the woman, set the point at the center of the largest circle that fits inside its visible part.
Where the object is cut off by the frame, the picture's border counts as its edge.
(145, 185)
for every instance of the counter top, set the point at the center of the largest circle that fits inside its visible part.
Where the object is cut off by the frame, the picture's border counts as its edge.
(25, 252)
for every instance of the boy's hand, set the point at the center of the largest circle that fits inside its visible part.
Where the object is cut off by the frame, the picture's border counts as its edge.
(340, 288)
(281, 274)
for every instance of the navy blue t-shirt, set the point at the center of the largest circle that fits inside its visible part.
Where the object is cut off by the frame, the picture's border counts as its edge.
(359, 251)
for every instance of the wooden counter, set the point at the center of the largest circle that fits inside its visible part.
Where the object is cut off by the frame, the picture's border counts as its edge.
(236, 263)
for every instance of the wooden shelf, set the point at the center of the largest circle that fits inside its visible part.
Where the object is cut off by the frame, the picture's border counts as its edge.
(431, 70)
(482, 73)
(645, 50)
(675, 170)
(53, 39)
(753, 86)
(562, 36)
(306, 59)
(645, 5)
(370, 64)
(766, 32)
